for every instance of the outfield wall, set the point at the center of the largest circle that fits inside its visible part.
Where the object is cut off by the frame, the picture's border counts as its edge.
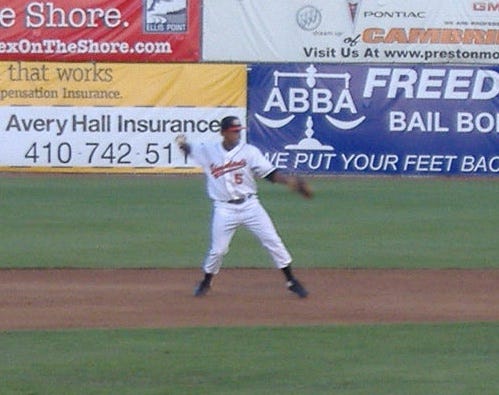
(111, 116)
(377, 119)
(363, 87)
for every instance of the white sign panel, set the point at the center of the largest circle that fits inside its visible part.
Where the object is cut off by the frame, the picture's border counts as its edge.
(346, 31)
(104, 137)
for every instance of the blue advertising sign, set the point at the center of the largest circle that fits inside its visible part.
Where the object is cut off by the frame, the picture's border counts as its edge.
(376, 119)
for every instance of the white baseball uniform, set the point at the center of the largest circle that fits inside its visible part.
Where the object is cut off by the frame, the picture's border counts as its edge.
(232, 187)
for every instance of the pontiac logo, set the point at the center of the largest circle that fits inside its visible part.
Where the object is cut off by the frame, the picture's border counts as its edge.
(353, 6)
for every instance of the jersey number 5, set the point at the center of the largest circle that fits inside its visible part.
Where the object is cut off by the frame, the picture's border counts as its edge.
(238, 178)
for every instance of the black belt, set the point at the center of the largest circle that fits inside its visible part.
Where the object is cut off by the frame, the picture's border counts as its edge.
(239, 200)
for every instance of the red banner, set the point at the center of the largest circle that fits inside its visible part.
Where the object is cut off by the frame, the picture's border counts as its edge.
(100, 30)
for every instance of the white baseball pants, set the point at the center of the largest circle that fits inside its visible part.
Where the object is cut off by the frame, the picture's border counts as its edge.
(227, 217)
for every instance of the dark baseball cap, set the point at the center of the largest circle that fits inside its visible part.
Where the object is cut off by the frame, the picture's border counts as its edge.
(232, 124)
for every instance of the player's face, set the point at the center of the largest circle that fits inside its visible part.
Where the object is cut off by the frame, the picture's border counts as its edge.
(231, 138)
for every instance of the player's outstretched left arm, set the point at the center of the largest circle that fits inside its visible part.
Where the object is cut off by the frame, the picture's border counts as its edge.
(294, 183)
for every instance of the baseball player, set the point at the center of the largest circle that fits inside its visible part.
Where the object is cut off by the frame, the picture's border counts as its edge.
(230, 167)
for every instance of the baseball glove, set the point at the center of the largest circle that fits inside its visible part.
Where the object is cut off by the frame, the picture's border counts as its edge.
(299, 185)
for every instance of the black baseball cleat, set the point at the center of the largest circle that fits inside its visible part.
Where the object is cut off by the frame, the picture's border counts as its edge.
(297, 288)
(202, 288)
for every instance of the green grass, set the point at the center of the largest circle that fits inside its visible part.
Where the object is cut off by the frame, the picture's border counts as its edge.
(162, 221)
(443, 359)
(158, 221)
(99, 221)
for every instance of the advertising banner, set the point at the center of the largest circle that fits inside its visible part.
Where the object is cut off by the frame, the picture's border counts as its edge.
(379, 119)
(351, 31)
(112, 116)
(98, 30)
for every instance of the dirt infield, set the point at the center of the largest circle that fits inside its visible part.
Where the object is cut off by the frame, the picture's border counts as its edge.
(50, 299)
